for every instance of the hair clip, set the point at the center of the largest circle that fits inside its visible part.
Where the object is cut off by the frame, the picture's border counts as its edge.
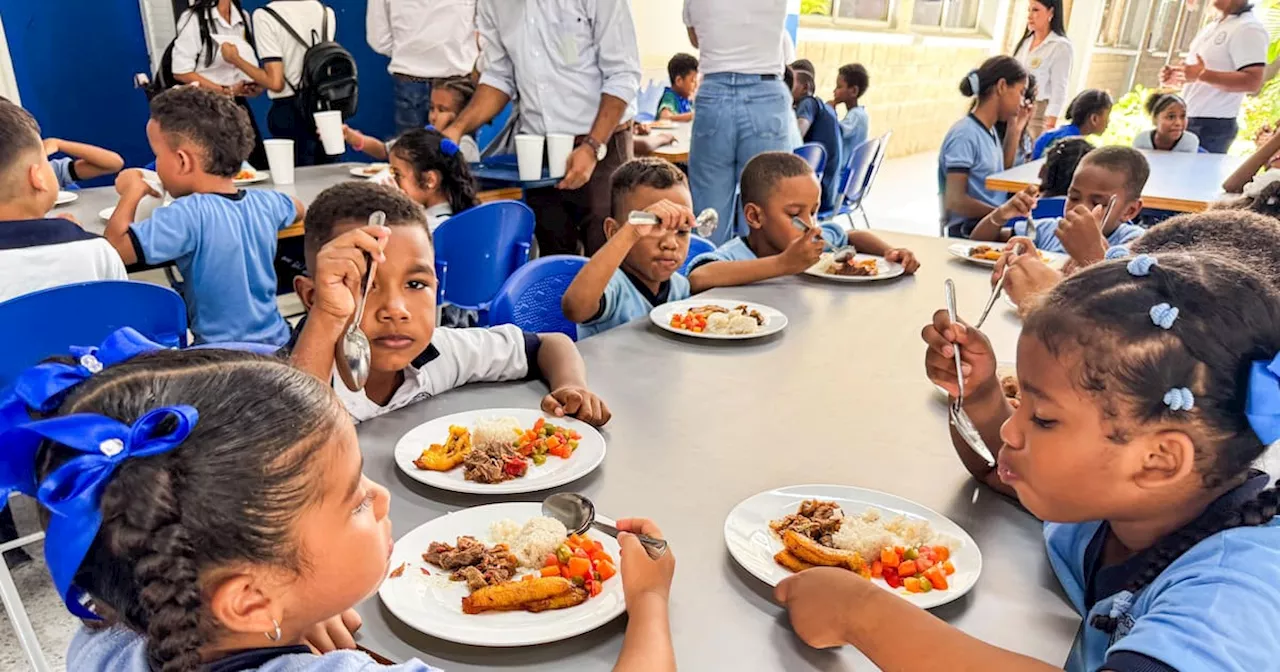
(1179, 399)
(974, 82)
(1262, 401)
(1141, 265)
(1163, 315)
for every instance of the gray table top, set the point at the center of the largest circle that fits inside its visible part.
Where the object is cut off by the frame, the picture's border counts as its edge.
(839, 396)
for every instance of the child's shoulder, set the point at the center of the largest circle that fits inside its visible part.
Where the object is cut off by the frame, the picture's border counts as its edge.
(1249, 554)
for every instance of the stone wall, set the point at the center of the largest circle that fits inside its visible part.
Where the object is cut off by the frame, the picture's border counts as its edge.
(1110, 72)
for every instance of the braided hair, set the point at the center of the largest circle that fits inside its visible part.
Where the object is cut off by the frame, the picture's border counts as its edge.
(1060, 162)
(227, 495)
(463, 87)
(203, 11)
(1247, 237)
(422, 149)
(1230, 317)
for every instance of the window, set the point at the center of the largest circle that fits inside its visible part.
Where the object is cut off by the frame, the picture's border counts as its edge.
(862, 10)
(1166, 22)
(946, 13)
(1124, 23)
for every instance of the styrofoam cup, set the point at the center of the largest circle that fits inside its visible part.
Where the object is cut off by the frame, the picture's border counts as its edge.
(330, 126)
(529, 156)
(280, 160)
(559, 147)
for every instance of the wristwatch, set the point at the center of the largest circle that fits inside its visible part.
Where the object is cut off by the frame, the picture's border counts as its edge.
(602, 150)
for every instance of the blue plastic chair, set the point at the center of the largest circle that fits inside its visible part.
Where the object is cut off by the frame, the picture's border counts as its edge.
(813, 154)
(855, 181)
(49, 321)
(697, 245)
(1045, 207)
(530, 298)
(477, 250)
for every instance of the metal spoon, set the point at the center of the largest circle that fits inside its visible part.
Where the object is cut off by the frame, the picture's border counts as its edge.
(578, 514)
(704, 224)
(995, 291)
(354, 355)
(959, 419)
(840, 255)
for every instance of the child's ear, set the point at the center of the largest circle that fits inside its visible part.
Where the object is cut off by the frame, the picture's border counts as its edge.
(431, 180)
(1168, 457)
(1132, 210)
(35, 177)
(243, 603)
(754, 215)
(611, 227)
(306, 290)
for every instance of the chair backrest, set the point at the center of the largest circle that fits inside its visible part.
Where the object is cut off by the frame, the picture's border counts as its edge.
(697, 245)
(49, 321)
(647, 99)
(530, 298)
(860, 170)
(1050, 207)
(477, 250)
(878, 160)
(814, 154)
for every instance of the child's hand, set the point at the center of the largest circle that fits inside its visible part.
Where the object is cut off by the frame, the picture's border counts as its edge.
(131, 183)
(803, 252)
(1081, 234)
(671, 217)
(1028, 277)
(350, 135)
(229, 52)
(905, 257)
(817, 600)
(51, 146)
(1020, 205)
(333, 634)
(578, 402)
(340, 269)
(641, 575)
(977, 359)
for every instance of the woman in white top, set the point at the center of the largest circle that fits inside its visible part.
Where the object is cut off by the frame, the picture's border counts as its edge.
(1169, 113)
(197, 56)
(1045, 51)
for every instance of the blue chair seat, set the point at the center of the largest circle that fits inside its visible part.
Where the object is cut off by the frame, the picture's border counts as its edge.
(697, 245)
(530, 298)
(477, 250)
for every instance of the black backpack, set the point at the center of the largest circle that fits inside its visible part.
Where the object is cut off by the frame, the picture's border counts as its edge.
(328, 71)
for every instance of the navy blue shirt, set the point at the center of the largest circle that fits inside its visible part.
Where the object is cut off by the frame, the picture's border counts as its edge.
(824, 129)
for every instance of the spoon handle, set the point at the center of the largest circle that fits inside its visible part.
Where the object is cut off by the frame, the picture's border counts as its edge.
(656, 548)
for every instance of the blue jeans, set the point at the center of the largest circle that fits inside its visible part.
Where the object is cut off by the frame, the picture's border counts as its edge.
(738, 117)
(1216, 134)
(413, 103)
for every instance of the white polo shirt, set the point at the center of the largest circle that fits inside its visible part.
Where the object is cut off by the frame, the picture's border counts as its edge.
(276, 44)
(740, 36)
(189, 54)
(1050, 62)
(1232, 43)
(42, 253)
(424, 38)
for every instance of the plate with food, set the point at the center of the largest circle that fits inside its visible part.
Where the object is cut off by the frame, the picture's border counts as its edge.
(987, 254)
(900, 546)
(370, 170)
(857, 268)
(663, 124)
(718, 319)
(503, 575)
(249, 175)
(500, 451)
(65, 197)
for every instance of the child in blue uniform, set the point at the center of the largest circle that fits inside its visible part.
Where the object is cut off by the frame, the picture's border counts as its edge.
(1089, 114)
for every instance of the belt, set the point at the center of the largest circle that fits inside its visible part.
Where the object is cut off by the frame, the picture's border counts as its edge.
(769, 78)
(579, 139)
(411, 78)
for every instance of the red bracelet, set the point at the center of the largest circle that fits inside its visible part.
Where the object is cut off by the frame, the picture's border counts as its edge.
(359, 147)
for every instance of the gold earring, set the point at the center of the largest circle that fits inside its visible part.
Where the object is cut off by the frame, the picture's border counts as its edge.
(277, 634)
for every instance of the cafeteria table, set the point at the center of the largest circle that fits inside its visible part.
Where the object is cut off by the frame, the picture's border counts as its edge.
(698, 426)
(677, 152)
(1179, 182)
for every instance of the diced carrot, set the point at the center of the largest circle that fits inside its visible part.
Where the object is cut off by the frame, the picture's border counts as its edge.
(607, 570)
(550, 571)
(943, 553)
(528, 577)
(923, 563)
(937, 578)
(579, 568)
(899, 550)
(877, 568)
(890, 558)
(912, 584)
(541, 422)
(907, 568)
(551, 561)
(925, 550)
(595, 588)
(599, 547)
(948, 568)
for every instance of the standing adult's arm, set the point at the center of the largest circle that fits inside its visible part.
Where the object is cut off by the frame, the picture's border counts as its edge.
(1059, 77)
(377, 20)
(497, 78)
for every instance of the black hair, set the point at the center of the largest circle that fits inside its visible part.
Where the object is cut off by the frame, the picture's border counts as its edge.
(788, 76)
(19, 134)
(1251, 238)
(1267, 202)
(1001, 126)
(1157, 103)
(854, 74)
(646, 171)
(202, 10)
(226, 496)
(763, 172)
(423, 149)
(1229, 318)
(463, 86)
(1033, 88)
(805, 79)
(1087, 103)
(355, 201)
(1056, 24)
(992, 72)
(805, 65)
(681, 65)
(211, 121)
(1060, 162)
(1125, 160)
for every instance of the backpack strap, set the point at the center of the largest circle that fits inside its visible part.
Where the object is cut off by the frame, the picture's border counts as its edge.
(285, 24)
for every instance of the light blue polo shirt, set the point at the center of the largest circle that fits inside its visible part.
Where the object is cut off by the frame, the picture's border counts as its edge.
(854, 128)
(973, 148)
(225, 248)
(738, 249)
(65, 170)
(626, 298)
(1047, 234)
(1217, 607)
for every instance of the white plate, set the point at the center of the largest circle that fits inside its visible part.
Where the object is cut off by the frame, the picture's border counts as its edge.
(433, 604)
(961, 250)
(556, 471)
(105, 213)
(258, 176)
(65, 197)
(887, 269)
(774, 320)
(370, 170)
(753, 544)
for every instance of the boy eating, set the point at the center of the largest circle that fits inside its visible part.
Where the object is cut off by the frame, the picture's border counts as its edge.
(411, 360)
(777, 187)
(676, 103)
(636, 269)
(223, 239)
(1106, 172)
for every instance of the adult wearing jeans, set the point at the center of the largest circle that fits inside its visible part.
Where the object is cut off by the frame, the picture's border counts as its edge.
(1225, 62)
(743, 106)
(425, 40)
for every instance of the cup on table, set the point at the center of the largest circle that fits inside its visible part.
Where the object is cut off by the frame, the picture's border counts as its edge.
(329, 124)
(559, 147)
(529, 156)
(280, 159)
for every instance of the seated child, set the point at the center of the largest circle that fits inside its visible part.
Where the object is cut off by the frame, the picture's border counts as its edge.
(430, 170)
(1246, 179)
(1169, 114)
(223, 239)
(818, 123)
(82, 161)
(636, 269)
(777, 187)
(851, 85)
(1089, 114)
(1105, 172)
(448, 98)
(1059, 166)
(37, 252)
(676, 103)
(412, 360)
(258, 533)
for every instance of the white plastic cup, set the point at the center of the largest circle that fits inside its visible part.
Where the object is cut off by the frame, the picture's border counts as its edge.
(559, 147)
(280, 160)
(529, 156)
(330, 126)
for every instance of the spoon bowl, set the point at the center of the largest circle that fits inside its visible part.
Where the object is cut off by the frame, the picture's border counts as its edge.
(578, 514)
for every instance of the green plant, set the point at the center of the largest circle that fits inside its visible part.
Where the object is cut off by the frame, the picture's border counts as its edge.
(1128, 119)
(820, 7)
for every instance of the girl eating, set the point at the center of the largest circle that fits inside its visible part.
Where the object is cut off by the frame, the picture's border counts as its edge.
(1169, 113)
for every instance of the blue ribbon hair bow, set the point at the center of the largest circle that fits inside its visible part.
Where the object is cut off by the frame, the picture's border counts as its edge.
(447, 146)
(1262, 403)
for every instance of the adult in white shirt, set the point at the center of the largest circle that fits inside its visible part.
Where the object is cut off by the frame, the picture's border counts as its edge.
(1225, 62)
(744, 108)
(576, 68)
(197, 56)
(426, 40)
(1045, 51)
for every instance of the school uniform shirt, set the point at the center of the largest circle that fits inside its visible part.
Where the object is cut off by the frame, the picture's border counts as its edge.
(972, 148)
(626, 298)
(1047, 234)
(1188, 143)
(1050, 62)
(65, 170)
(275, 44)
(437, 214)
(854, 128)
(740, 36)
(824, 129)
(189, 53)
(673, 101)
(559, 56)
(1230, 44)
(119, 649)
(424, 38)
(1217, 607)
(225, 246)
(38, 254)
(738, 249)
(1049, 137)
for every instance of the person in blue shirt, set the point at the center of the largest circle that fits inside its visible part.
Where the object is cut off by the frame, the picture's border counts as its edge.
(1104, 173)
(636, 269)
(1089, 114)
(81, 161)
(1059, 167)
(778, 187)
(852, 82)
(1147, 392)
(819, 123)
(676, 103)
(972, 151)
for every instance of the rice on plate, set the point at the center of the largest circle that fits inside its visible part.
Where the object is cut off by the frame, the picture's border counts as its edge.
(532, 543)
(494, 432)
(869, 532)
